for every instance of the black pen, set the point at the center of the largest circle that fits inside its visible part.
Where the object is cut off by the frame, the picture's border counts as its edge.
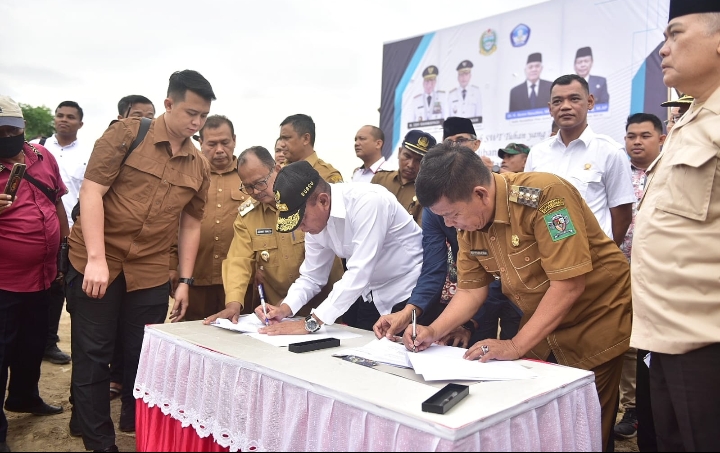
(414, 324)
(447, 400)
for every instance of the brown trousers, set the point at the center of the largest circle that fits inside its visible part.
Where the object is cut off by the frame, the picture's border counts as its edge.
(607, 382)
(206, 301)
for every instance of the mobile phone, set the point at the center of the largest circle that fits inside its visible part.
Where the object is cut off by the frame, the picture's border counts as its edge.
(13, 183)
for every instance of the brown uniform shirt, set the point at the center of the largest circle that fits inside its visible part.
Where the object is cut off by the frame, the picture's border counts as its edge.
(216, 234)
(145, 198)
(257, 244)
(675, 265)
(327, 171)
(405, 193)
(559, 239)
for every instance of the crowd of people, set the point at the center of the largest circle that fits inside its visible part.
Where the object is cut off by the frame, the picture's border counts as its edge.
(529, 260)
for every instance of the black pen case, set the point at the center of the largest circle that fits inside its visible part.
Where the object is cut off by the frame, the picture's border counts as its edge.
(445, 399)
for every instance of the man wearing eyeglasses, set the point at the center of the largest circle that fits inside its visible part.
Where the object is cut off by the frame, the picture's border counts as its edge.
(678, 108)
(217, 143)
(257, 248)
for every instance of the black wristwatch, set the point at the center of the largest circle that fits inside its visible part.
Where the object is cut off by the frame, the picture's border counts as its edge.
(189, 281)
(311, 324)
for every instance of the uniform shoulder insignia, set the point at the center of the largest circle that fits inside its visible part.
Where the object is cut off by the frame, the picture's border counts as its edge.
(417, 96)
(246, 207)
(527, 196)
(453, 90)
(335, 179)
(440, 91)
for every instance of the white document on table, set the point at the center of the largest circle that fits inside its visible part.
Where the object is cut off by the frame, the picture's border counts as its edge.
(286, 340)
(445, 363)
(246, 324)
(383, 351)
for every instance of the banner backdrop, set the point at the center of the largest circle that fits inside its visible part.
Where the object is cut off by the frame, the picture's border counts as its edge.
(498, 71)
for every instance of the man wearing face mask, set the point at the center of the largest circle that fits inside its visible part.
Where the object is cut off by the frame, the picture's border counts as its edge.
(32, 224)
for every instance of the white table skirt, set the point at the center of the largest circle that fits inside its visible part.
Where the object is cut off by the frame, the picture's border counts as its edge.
(246, 406)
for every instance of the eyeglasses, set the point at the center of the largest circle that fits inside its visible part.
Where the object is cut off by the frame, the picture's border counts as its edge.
(257, 187)
(458, 142)
(673, 119)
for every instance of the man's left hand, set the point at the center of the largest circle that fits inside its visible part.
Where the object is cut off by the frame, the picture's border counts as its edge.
(285, 328)
(174, 278)
(458, 337)
(182, 300)
(496, 349)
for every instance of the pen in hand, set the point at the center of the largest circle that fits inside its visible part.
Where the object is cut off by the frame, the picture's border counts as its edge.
(262, 302)
(414, 328)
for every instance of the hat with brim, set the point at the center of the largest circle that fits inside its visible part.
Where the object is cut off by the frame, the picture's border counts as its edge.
(293, 186)
(455, 125)
(682, 101)
(11, 113)
(513, 149)
(418, 142)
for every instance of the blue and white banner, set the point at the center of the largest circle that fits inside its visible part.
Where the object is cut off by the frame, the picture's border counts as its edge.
(498, 71)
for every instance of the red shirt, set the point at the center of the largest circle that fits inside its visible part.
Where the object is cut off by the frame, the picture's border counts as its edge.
(30, 229)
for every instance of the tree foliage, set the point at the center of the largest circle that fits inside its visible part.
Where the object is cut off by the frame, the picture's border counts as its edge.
(38, 121)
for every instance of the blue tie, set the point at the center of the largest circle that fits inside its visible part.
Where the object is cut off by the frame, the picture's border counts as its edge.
(533, 96)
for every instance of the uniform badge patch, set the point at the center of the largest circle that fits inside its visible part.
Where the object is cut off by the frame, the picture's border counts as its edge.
(551, 204)
(560, 225)
(478, 253)
(515, 240)
(263, 231)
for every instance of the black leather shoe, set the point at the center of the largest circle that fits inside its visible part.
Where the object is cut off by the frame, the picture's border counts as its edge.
(113, 448)
(53, 354)
(39, 409)
(4, 447)
(74, 428)
(127, 421)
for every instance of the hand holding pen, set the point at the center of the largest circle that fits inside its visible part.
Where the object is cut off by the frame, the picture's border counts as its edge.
(262, 302)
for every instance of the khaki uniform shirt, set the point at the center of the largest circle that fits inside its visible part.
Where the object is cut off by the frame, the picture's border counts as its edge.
(216, 233)
(559, 239)
(145, 198)
(327, 171)
(675, 265)
(256, 244)
(405, 193)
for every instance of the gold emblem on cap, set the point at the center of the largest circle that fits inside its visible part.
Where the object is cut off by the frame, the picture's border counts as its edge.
(588, 166)
(431, 69)
(265, 255)
(423, 142)
(280, 206)
(515, 240)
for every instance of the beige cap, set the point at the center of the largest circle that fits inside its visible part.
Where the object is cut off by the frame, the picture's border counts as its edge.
(10, 113)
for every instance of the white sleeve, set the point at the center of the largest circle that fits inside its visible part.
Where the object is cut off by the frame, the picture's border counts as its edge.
(529, 161)
(618, 180)
(369, 225)
(314, 273)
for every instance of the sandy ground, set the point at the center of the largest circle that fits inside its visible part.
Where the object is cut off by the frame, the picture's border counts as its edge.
(30, 433)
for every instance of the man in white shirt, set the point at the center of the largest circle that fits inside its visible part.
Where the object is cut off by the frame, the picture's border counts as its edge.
(72, 157)
(595, 164)
(368, 147)
(364, 224)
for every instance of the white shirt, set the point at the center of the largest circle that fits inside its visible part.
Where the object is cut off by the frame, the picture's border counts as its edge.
(382, 245)
(363, 174)
(530, 87)
(72, 160)
(595, 164)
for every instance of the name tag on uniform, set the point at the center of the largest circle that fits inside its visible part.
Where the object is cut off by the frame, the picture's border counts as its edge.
(260, 231)
(478, 252)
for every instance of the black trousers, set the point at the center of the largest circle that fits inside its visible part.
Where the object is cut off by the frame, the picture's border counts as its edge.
(94, 331)
(364, 315)
(686, 399)
(646, 439)
(497, 308)
(23, 332)
(55, 306)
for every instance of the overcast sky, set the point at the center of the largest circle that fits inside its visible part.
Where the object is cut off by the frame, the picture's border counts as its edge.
(265, 59)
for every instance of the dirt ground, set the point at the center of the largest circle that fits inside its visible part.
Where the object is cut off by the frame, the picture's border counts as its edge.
(27, 432)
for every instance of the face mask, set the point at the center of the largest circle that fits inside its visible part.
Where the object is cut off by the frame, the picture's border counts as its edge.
(11, 146)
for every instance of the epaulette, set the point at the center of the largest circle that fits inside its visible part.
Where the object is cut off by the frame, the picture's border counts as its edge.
(527, 196)
(246, 207)
(453, 90)
(335, 179)
(419, 95)
(439, 91)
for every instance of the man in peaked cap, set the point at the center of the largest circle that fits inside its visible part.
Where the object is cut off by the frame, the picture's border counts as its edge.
(465, 100)
(513, 156)
(597, 84)
(678, 108)
(401, 182)
(675, 296)
(363, 223)
(431, 104)
(534, 92)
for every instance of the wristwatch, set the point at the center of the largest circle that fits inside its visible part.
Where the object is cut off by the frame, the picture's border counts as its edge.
(189, 281)
(311, 324)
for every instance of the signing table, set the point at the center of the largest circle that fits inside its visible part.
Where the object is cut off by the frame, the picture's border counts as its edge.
(203, 388)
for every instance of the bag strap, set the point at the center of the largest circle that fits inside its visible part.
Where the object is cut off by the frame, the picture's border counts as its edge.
(50, 193)
(142, 132)
(42, 141)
